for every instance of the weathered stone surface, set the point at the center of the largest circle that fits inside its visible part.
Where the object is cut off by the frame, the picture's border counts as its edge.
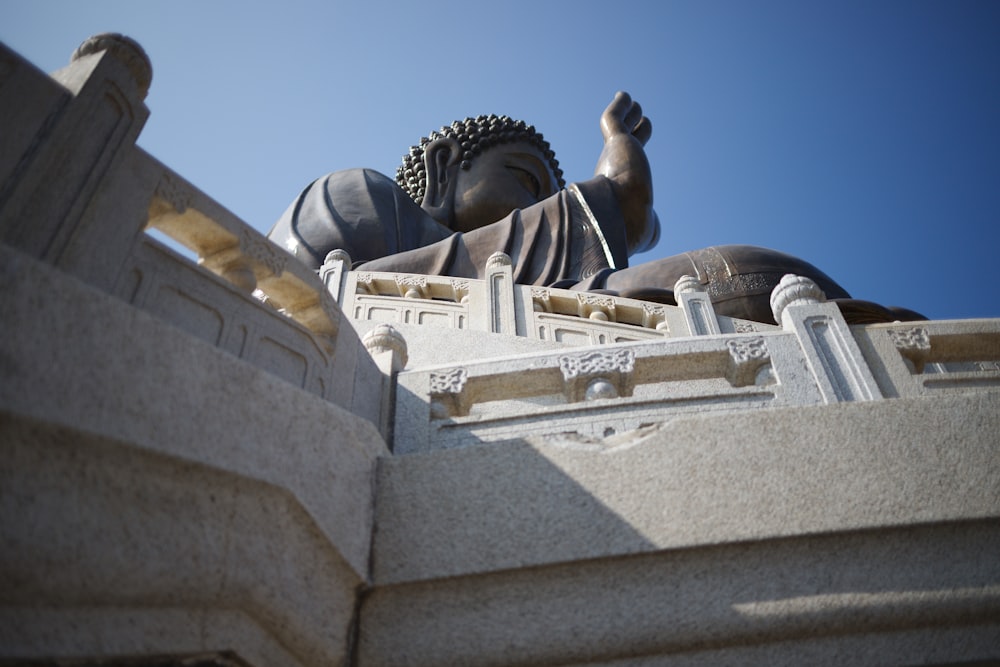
(917, 595)
(863, 532)
(694, 481)
(160, 495)
(112, 550)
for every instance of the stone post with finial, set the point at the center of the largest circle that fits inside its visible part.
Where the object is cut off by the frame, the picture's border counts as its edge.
(62, 202)
(832, 355)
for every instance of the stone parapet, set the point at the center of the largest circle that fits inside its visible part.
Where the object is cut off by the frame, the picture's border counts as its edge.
(160, 496)
(77, 193)
(598, 392)
(860, 532)
(544, 314)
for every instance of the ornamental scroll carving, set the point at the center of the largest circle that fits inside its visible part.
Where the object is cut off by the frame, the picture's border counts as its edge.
(173, 194)
(750, 362)
(579, 371)
(412, 287)
(654, 317)
(460, 290)
(746, 350)
(914, 344)
(447, 399)
(263, 251)
(916, 338)
(596, 306)
(541, 300)
(597, 363)
(364, 283)
(498, 260)
(450, 382)
(596, 300)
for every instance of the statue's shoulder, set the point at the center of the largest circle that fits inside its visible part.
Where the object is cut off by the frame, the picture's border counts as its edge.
(357, 175)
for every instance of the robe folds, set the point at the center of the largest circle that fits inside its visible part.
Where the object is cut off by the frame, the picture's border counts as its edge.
(575, 235)
(574, 239)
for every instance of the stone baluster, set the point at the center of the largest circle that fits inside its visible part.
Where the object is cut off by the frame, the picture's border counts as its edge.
(831, 353)
(333, 273)
(70, 200)
(388, 349)
(698, 311)
(500, 295)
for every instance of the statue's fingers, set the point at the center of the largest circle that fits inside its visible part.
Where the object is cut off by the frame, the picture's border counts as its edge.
(632, 117)
(612, 120)
(643, 130)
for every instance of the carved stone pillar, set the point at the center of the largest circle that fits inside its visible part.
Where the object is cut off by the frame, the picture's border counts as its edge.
(500, 294)
(70, 202)
(698, 310)
(832, 354)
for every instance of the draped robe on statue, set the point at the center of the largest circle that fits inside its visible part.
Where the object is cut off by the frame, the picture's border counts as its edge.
(574, 239)
(561, 240)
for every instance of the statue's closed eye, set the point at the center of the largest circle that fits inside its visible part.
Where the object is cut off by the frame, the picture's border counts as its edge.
(528, 180)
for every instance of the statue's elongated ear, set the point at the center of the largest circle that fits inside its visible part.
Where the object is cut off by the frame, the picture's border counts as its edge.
(442, 160)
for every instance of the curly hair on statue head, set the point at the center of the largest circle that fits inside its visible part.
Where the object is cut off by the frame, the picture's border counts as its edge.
(474, 135)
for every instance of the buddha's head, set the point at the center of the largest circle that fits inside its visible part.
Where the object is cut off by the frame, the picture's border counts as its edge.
(476, 171)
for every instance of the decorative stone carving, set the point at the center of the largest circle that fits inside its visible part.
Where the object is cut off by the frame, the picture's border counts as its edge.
(749, 356)
(501, 312)
(541, 300)
(412, 287)
(260, 249)
(914, 344)
(916, 338)
(447, 399)
(460, 290)
(687, 285)
(582, 370)
(329, 304)
(794, 290)
(744, 350)
(448, 382)
(596, 307)
(173, 194)
(385, 338)
(334, 270)
(744, 326)
(594, 363)
(497, 260)
(338, 255)
(364, 283)
(654, 317)
(699, 312)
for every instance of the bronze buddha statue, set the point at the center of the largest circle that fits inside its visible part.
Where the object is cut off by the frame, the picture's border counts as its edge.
(492, 183)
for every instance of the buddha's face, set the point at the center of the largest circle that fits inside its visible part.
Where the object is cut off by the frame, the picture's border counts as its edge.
(500, 179)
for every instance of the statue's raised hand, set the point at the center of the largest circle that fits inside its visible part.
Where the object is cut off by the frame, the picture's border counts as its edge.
(623, 161)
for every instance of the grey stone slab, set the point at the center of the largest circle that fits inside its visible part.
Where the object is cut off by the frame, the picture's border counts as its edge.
(697, 480)
(110, 549)
(162, 390)
(894, 596)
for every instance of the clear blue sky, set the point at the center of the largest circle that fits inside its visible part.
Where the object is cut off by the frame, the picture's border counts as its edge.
(861, 136)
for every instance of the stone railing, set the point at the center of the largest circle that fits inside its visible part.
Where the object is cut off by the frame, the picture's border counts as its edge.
(222, 298)
(814, 358)
(77, 193)
(497, 305)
